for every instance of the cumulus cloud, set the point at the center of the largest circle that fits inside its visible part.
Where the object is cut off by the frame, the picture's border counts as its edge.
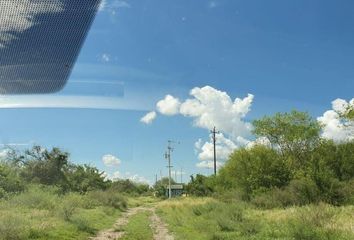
(334, 127)
(112, 6)
(127, 175)
(168, 106)
(209, 107)
(259, 141)
(148, 118)
(209, 164)
(21, 15)
(111, 160)
(205, 151)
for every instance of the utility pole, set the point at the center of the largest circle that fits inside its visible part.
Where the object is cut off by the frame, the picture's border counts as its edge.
(168, 157)
(181, 174)
(214, 132)
(155, 179)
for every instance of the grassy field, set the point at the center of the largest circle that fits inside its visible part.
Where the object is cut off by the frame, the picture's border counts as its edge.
(42, 214)
(206, 218)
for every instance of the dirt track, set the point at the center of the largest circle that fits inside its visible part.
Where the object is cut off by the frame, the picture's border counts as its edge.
(157, 225)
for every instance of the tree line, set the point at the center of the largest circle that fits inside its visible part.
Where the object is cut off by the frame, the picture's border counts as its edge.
(37, 165)
(293, 166)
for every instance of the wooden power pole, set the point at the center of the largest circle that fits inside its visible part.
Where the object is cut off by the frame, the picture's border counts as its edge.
(214, 132)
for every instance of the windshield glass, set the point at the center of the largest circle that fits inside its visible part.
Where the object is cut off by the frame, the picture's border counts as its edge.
(153, 71)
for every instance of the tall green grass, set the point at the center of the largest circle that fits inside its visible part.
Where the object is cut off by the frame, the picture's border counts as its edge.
(210, 219)
(42, 213)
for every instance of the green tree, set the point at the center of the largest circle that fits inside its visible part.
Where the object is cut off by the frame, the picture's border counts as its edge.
(45, 167)
(161, 186)
(200, 185)
(128, 186)
(84, 178)
(255, 169)
(10, 181)
(295, 134)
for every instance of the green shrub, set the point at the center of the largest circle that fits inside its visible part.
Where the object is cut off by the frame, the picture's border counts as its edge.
(310, 223)
(37, 197)
(303, 191)
(109, 198)
(83, 225)
(69, 204)
(299, 192)
(12, 227)
(347, 191)
(225, 224)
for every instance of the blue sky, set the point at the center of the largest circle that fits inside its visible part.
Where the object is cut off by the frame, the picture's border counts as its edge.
(288, 54)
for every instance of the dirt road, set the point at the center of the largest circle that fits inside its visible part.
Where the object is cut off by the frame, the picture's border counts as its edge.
(157, 225)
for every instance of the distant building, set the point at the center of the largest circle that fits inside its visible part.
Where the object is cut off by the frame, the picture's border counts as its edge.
(176, 190)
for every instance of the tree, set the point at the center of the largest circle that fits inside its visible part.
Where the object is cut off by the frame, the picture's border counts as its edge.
(200, 185)
(161, 186)
(295, 134)
(45, 167)
(128, 186)
(10, 182)
(254, 169)
(84, 178)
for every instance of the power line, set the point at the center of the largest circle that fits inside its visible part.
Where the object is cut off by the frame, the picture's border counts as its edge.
(214, 132)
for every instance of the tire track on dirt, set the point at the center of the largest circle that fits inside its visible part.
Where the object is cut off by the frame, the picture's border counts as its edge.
(159, 228)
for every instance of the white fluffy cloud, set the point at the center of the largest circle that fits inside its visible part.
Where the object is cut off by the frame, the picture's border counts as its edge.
(333, 126)
(111, 6)
(209, 164)
(259, 141)
(224, 147)
(148, 118)
(168, 106)
(127, 175)
(110, 160)
(20, 15)
(209, 107)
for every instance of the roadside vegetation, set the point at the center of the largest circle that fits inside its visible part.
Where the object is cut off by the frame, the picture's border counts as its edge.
(289, 184)
(44, 196)
(208, 218)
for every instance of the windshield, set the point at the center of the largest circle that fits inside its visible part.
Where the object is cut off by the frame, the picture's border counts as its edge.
(150, 71)
(186, 64)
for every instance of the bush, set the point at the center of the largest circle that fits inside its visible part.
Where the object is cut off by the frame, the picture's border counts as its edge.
(69, 204)
(299, 192)
(10, 182)
(253, 169)
(109, 198)
(12, 227)
(303, 191)
(39, 197)
(200, 185)
(347, 192)
(83, 225)
(310, 223)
